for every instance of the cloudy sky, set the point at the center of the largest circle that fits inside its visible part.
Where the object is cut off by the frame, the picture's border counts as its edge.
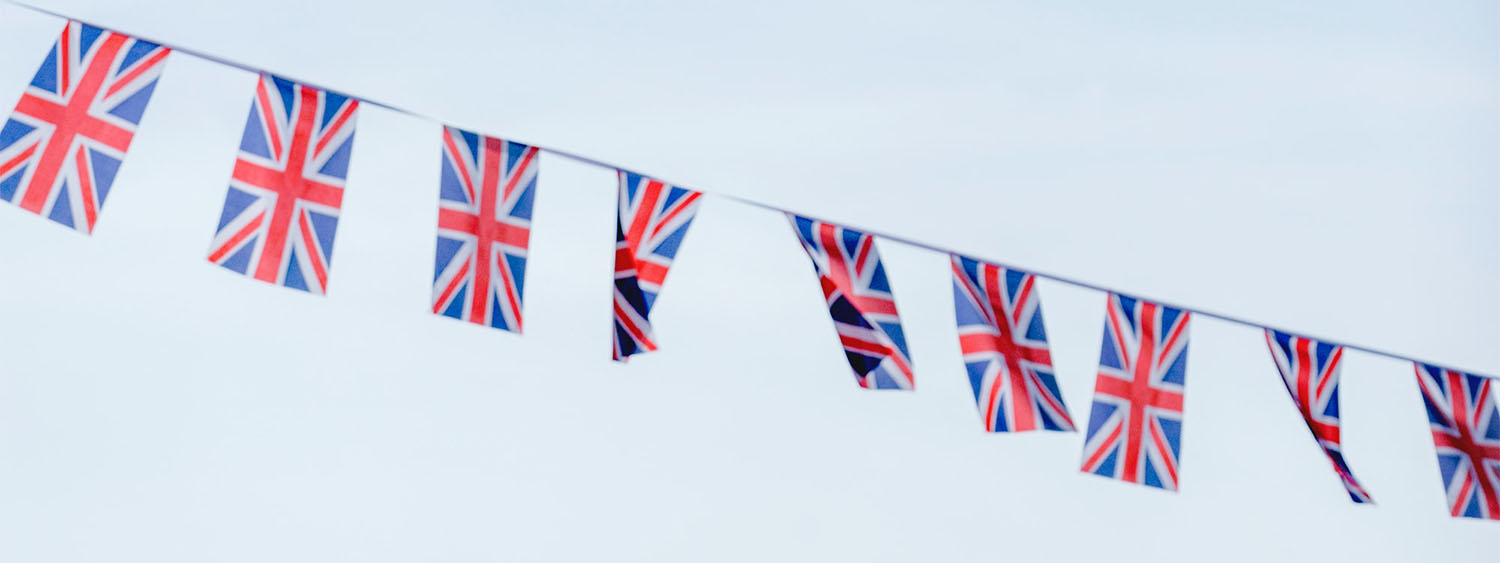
(1327, 168)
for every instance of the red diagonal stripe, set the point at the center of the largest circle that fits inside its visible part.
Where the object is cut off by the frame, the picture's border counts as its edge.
(234, 241)
(456, 159)
(267, 113)
(338, 123)
(141, 68)
(86, 188)
(458, 279)
(1092, 463)
(678, 208)
(18, 160)
(314, 252)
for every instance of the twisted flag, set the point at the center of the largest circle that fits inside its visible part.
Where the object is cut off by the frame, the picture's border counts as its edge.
(1005, 351)
(860, 302)
(62, 147)
(1135, 427)
(652, 221)
(1310, 370)
(1466, 433)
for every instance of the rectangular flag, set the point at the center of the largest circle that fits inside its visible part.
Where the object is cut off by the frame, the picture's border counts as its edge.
(652, 221)
(1310, 370)
(860, 302)
(282, 207)
(1466, 432)
(485, 191)
(1005, 350)
(1135, 427)
(62, 147)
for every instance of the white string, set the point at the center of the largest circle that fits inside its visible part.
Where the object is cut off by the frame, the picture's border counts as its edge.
(895, 238)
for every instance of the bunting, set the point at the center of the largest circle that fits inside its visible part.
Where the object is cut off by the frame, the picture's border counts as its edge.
(1135, 427)
(62, 147)
(282, 207)
(1310, 370)
(485, 193)
(859, 300)
(1004, 344)
(652, 221)
(1466, 433)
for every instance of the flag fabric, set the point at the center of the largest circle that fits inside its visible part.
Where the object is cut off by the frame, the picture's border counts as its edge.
(1135, 427)
(485, 193)
(1005, 350)
(282, 208)
(860, 302)
(1466, 432)
(653, 219)
(1310, 370)
(62, 147)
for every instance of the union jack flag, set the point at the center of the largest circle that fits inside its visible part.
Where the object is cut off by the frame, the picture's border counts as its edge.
(282, 207)
(1466, 433)
(61, 149)
(654, 218)
(1310, 370)
(1005, 348)
(860, 302)
(1135, 428)
(484, 222)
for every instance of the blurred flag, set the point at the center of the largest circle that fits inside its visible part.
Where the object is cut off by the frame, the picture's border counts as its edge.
(1466, 433)
(860, 302)
(653, 219)
(1005, 348)
(61, 148)
(1310, 370)
(282, 207)
(1135, 427)
(484, 226)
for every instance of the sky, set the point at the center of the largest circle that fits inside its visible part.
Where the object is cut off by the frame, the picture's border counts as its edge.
(1329, 168)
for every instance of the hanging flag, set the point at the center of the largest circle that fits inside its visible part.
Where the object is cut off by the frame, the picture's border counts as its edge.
(1466, 433)
(653, 220)
(1005, 348)
(282, 206)
(1310, 370)
(61, 149)
(1135, 427)
(860, 302)
(484, 223)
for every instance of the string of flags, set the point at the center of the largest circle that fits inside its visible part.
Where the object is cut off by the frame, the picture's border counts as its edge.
(71, 131)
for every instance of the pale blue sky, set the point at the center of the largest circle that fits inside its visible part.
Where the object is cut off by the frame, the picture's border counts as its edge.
(1330, 168)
